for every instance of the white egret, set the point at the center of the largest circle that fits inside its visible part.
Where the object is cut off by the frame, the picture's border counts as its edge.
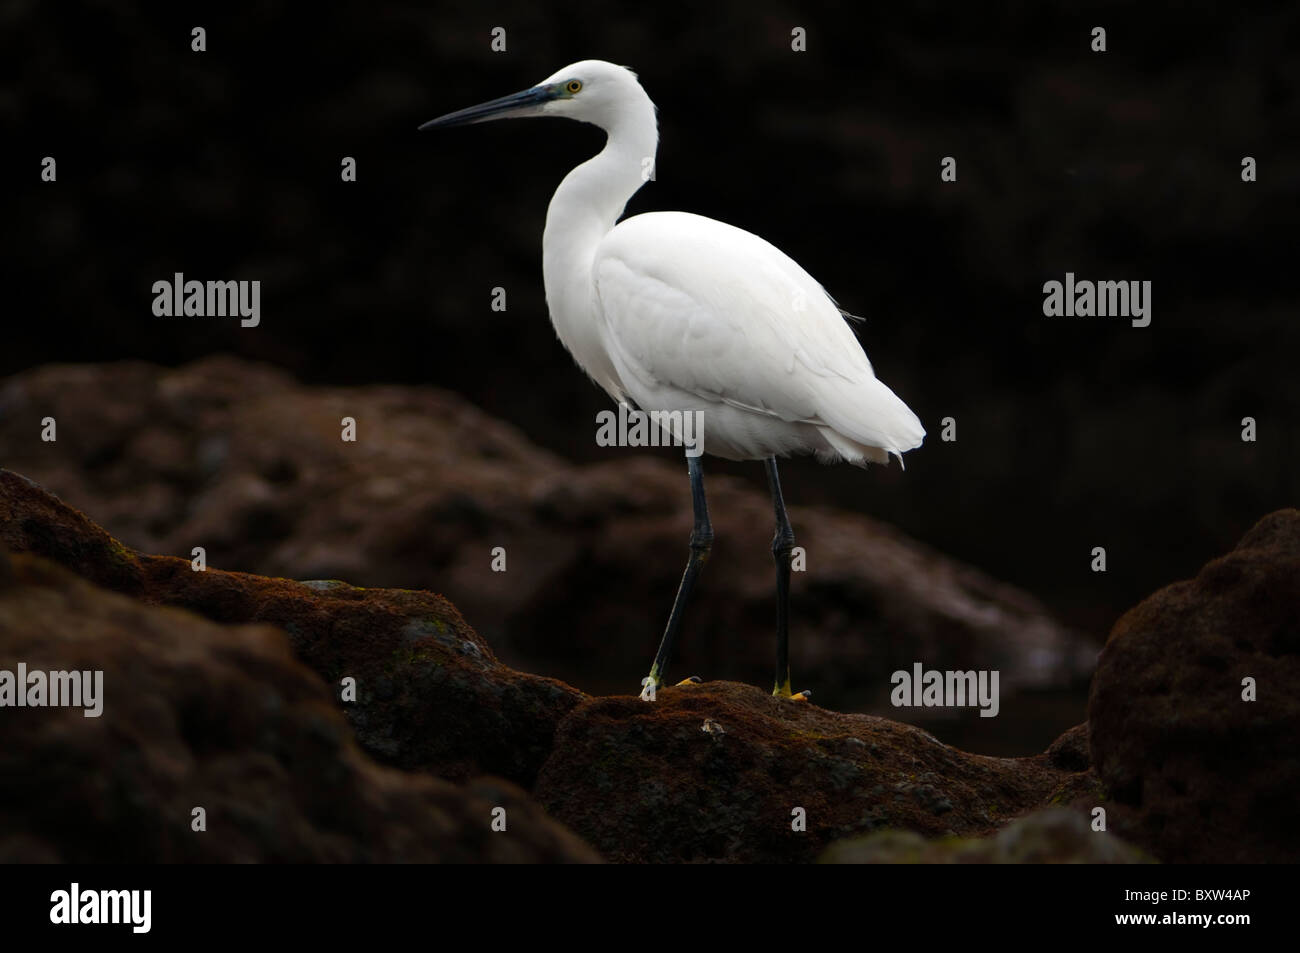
(674, 312)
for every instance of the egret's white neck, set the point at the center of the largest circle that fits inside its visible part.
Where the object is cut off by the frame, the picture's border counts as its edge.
(584, 208)
(592, 196)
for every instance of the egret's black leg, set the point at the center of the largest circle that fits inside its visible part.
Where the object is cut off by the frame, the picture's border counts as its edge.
(782, 546)
(701, 543)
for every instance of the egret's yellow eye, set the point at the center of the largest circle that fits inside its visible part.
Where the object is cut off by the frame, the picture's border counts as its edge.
(573, 86)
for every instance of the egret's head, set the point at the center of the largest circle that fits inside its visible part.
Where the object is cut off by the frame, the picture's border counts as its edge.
(589, 91)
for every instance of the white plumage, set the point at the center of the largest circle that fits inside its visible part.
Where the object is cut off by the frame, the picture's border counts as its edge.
(700, 315)
(681, 314)
(677, 312)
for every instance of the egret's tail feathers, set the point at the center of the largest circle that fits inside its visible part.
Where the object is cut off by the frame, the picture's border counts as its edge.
(867, 422)
(840, 447)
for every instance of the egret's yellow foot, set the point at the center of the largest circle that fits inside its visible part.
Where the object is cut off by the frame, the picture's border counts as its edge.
(651, 684)
(783, 691)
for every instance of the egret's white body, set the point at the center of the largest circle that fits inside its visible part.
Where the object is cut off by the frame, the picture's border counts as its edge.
(679, 313)
(700, 315)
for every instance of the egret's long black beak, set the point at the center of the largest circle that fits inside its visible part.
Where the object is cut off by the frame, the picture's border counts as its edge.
(501, 108)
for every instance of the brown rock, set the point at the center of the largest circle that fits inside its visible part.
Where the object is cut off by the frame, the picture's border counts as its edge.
(197, 714)
(713, 772)
(1070, 751)
(239, 459)
(710, 772)
(1050, 836)
(1197, 774)
(431, 694)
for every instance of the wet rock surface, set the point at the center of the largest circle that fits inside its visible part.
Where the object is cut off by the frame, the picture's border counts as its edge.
(240, 459)
(709, 772)
(199, 715)
(1051, 836)
(430, 693)
(1198, 773)
(718, 771)
(233, 694)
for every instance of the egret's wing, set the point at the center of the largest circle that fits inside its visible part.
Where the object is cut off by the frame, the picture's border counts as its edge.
(697, 305)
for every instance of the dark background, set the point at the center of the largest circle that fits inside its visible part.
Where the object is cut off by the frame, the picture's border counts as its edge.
(1072, 433)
